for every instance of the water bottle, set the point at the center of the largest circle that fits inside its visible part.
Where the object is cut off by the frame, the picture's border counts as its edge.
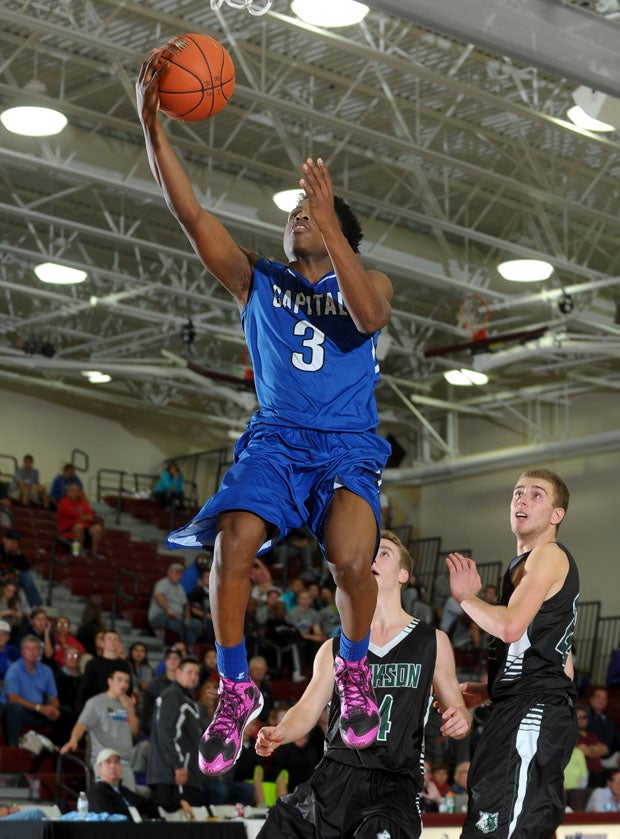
(82, 806)
(450, 802)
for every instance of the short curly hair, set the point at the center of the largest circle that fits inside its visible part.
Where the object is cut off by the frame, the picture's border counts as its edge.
(349, 222)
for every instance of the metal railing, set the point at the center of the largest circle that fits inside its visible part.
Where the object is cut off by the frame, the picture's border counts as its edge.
(60, 786)
(55, 560)
(119, 594)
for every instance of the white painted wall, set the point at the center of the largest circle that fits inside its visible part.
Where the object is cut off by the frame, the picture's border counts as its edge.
(50, 432)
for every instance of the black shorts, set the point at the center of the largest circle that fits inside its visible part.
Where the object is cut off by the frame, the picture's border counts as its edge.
(516, 777)
(343, 802)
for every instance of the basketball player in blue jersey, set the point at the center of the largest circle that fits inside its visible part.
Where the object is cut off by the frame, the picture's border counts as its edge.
(517, 771)
(311, 455)
(375, 792)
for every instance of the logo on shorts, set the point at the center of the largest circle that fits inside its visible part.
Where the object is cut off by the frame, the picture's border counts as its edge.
(385, 834)
(488, 822)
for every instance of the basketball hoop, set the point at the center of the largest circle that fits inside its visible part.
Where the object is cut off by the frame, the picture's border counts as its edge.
(474, 315)
(243, 4)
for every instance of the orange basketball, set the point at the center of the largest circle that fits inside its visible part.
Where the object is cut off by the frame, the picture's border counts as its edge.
(199, 80)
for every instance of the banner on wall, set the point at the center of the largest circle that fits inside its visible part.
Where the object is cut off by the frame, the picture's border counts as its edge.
(587, 831)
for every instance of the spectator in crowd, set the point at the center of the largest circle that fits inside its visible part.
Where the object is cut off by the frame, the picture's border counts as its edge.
(12, 559)
(69, 678)
(111, 722)
(606, 799)
(192, 575)
(441, 776)
(576, 776)
(62, 481)
(260, 577)
(156, 685)
(40, 626)
(26, 487)
(430, 797)
(282, 638)
(289, 595)
(13, 604)
(257, 668)
(141, 669)
(100, 668)
(459, 784)
(169, 609)
(32, 696)
(91, 622)
(298, 542)
(208, 668)
(292, 764)
(306, 620)
(63, 638)
(592, 747)
(329, 616)
(200, 607)
(179, 647)
(169, 488)
(13, 813)
(8, 652)
(252, 630)
(173, 774)
(600, 723)
(264, 604)
(613, 668)
(110, 795)
(77, 522)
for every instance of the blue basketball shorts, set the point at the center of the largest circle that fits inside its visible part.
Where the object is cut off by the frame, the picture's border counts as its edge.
(287, 476)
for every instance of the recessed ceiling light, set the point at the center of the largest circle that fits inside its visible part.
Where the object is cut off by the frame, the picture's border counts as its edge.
(51, 272)
(287, 199)
(329, 13)
(465, 378)
(578, 116)
(96, 377)
(525, 270)
(33, 121)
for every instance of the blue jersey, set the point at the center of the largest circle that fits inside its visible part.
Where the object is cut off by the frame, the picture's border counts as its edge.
(312, 367)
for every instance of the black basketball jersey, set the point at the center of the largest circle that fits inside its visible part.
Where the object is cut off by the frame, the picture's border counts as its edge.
(535, 663)
(402, 676)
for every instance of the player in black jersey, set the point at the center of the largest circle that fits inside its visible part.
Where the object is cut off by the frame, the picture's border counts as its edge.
(516, 775)
(374, 792)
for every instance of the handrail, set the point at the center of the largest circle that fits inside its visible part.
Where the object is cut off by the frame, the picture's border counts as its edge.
(54, 561)
(85, 460)
(59, 786)
(117, 593)
(13, 459)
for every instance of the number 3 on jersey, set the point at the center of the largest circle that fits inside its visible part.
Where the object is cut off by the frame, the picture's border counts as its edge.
(312, 357)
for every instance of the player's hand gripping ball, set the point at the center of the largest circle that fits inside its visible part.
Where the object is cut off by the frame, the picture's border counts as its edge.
(199, 80)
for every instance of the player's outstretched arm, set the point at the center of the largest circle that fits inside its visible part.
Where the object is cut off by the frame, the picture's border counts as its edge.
(367, 294)
(217, 250)
(544, 571)
(303, 716)
(456, 719)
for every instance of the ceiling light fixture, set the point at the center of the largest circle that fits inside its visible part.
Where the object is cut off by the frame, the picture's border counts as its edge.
(465, 378)
(96, 377)
(54, 274)
(329, 13)
(578, 116)
(594, 111)
(33, 120)
(287, 199)
(525, 270)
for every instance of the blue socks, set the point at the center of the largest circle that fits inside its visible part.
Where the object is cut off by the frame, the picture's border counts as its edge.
(232, 662)
(353, 650)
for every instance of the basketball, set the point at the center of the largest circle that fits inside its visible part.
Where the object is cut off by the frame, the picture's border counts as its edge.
(199, 80)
